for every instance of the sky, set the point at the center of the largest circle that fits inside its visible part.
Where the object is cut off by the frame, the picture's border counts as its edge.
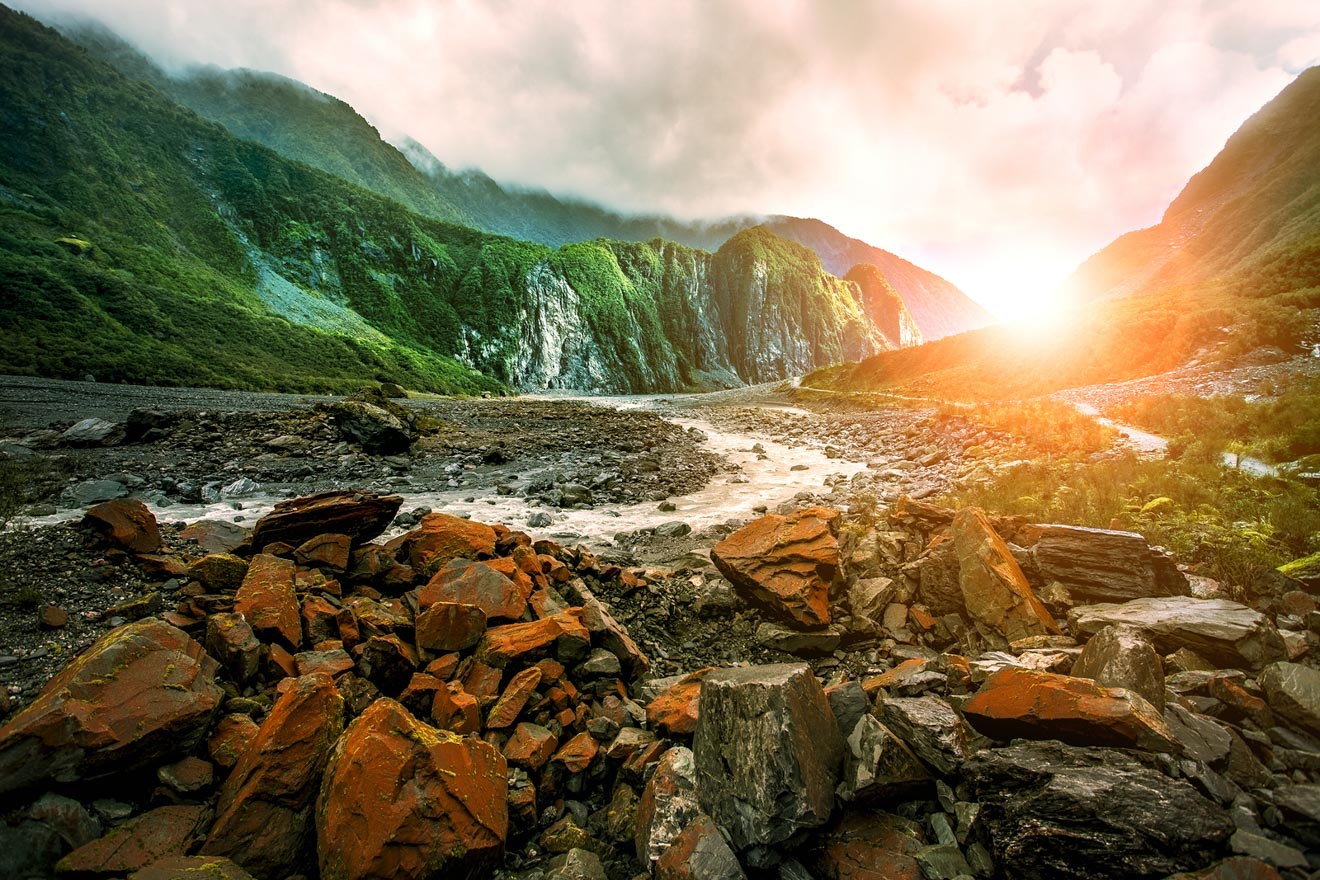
(997, 143)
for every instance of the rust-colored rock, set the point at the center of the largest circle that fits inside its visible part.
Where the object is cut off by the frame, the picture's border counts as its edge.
(456, 710)
(388, 662)
(561, 634)
(403, 800)
(143, 693)
(450, 626)
(475, 583)
(871, 846)
(329, 552)
(1234, 868)
(699, 852)
(531, 746)
(674, 710)
(219, 572)
(785, 563)
(360, 515)
(231, 640)
(191, 868)
(264, 816)
(440, 538)
(142, 840)
(268, 600)
(577, 754)
(516, 694)
(126, 523)
(995, 591)
(1021, 703)
(230, 738)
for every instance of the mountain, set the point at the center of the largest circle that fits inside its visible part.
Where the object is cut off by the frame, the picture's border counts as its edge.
(884, 306)
(302, 123)
(143, 243)
(1254, 212)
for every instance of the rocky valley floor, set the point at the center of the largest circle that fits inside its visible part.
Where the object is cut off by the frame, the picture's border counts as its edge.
(823, 676)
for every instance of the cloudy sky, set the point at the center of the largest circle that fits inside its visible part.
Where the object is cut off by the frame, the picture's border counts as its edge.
(997, 143)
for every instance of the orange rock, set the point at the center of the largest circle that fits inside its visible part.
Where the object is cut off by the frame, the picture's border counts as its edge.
(450, 626)
(230, 640)
(444, 667)
(264, 815)
(475, 583)
(515, 697)
(785, 563)
(141, 694)
(403, 800)
(995, 591)
(563, 632)
(675, 709)
(1023, 703)
(126, 523)
(899, 674)
(177, 867)
(697, 853)
(872, 846)
(440, 538)
(482, 681)
(509, 567)
(268, 601)
(230, 739)
(577, 754)
(164, 831)
(326, 551)
(359, 515)
(531, 746)
(457, 710)
(318, 617)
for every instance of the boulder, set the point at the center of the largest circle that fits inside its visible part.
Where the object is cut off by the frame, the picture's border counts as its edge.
(930, 727)
(786, 564)
(871, 845)
(668, 805)
(126, 523)
(1293, 691)
(449, 626)
(1300, 805)
(867, 597)
(264, 815)
(1225, 632)
(995, 591)
(440, 538)
(360, 515)
(1305, 571)
(231, 640)
(878, 765)
(374, 422)
(674, 711)
(699, 852)
(403, 800)
(516, 694)
(1099, 565)
(189, 867)
(1232, 868)
(530, 747)
(268, 600)
(1050, 810)
(562, 635)
(1023, 703)
(1122, 657)
(143, 693)
(93, 432)
(576, 864)
(768, 752)
(473, 583)
(142, 840)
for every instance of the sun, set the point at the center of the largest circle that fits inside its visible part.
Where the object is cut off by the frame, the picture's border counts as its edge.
(1023, 289)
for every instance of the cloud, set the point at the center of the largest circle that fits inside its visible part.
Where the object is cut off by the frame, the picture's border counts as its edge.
(998, 144)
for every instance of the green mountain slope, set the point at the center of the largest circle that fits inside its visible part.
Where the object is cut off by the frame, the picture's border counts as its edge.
(142, 243)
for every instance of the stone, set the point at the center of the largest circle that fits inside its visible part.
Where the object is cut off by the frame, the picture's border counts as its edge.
(1122, 656)
(577, 754)
(219, 572)
(388, 662)
(217, 536)
(440, 538)
(264, 814)
(699, 852)
(995, 591)
(93, 432)
(790, 641)
(466, 582)
(187, 775)
(190, 867)
(230, 739)
(871, 845)
(878, 765)
(1051, 810)
(576, 864)
(332, 662)
(868, 598)
(785, 564)
(942, 862)
(1293, 692)
(142, 840)
(530, 747)
(563, 634)
(94, 491)
(1022, 703)
(231, 640)
(375, 423)
(125, 523)
(600, 664)
(1300, 805)
(675, 709)
(849, 702)
(1100, 565)
(403, 800)
(268, 600)
(1305, 571)
(449, 626)
(52, 617)
(360, 515)
(930, 727)
(1258, 846)
(1200, 737)
(613, 637)
(516, 694)
(329, 552)
(141, 694)
(767, 752)
(1232, 868)
(1225, 632)
(668, 805)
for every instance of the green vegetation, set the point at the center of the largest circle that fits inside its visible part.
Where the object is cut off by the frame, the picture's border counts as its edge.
(1233, 527)
(1043, 426)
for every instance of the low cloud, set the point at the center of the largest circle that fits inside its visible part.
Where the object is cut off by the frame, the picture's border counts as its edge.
(998, 144)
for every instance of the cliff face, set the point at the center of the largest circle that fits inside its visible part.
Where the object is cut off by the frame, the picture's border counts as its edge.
(884, 307)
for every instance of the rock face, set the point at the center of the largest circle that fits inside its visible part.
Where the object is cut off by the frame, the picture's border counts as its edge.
(1122, 656)
(995, 591)
(141, 693)
(401, 799)
(1052, 810)
(1293, 691)
(768, 752)
(1100, 565)
(360, 515)
(1022, 703)
(264, 817)
(1225, 632)
(785, 563)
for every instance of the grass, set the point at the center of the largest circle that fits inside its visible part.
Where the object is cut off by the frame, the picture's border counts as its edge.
(1043, 426)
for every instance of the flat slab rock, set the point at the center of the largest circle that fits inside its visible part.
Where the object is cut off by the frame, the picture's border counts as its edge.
(1225, 632)
(785, 564)
(1105, 565)
(360, 515)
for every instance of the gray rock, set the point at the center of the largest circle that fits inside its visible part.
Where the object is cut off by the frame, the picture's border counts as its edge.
(1122, 656)
(931, 728)
(1300, 805)
(768, 752)
(600, 664)
(1226, 632)
(1258, 846)
(241, 488)
(1051, 810)
(879, 765)
(539, 520)
(90, 492)
(1202, 738)
(868, 598)
(675, 529)
(699, 853)
(1106, 566)
(668, 805)
(576, 864)
(93, 432)
(942, 862)
(372, 421)
(791, 641)
(1293, 691)
(849, 703)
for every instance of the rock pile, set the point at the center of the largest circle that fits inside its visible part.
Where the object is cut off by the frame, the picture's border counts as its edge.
(463, 701)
